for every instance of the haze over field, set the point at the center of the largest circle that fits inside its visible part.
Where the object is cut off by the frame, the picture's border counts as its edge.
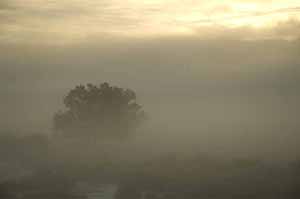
(219, 78)
(185, 83)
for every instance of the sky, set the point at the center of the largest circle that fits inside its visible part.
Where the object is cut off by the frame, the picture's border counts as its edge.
(69, 21)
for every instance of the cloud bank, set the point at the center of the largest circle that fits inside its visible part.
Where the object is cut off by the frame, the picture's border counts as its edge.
(69, 21)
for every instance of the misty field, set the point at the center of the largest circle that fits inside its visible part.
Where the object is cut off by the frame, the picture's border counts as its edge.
(149, 99)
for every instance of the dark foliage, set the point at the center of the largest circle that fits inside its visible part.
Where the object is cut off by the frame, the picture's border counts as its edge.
(99, 110)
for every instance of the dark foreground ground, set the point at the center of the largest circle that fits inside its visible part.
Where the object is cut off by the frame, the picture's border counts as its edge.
(162, 182)
(35, 171)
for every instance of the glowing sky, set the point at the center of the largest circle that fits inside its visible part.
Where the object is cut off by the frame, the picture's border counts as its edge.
(69, 20)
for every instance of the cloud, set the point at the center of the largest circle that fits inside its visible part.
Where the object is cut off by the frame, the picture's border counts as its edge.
(68, 21)
(288, 30)
(227, 14)
(64, 19)
(289, 10)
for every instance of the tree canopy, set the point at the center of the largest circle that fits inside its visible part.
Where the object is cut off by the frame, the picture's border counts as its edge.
(99, 110)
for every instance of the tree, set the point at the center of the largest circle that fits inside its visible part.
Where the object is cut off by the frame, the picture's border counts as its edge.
(99, 110)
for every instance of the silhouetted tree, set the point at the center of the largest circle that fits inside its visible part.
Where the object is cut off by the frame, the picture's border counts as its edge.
(99, 110)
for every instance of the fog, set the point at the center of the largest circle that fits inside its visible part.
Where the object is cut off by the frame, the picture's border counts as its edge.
(215, 99)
